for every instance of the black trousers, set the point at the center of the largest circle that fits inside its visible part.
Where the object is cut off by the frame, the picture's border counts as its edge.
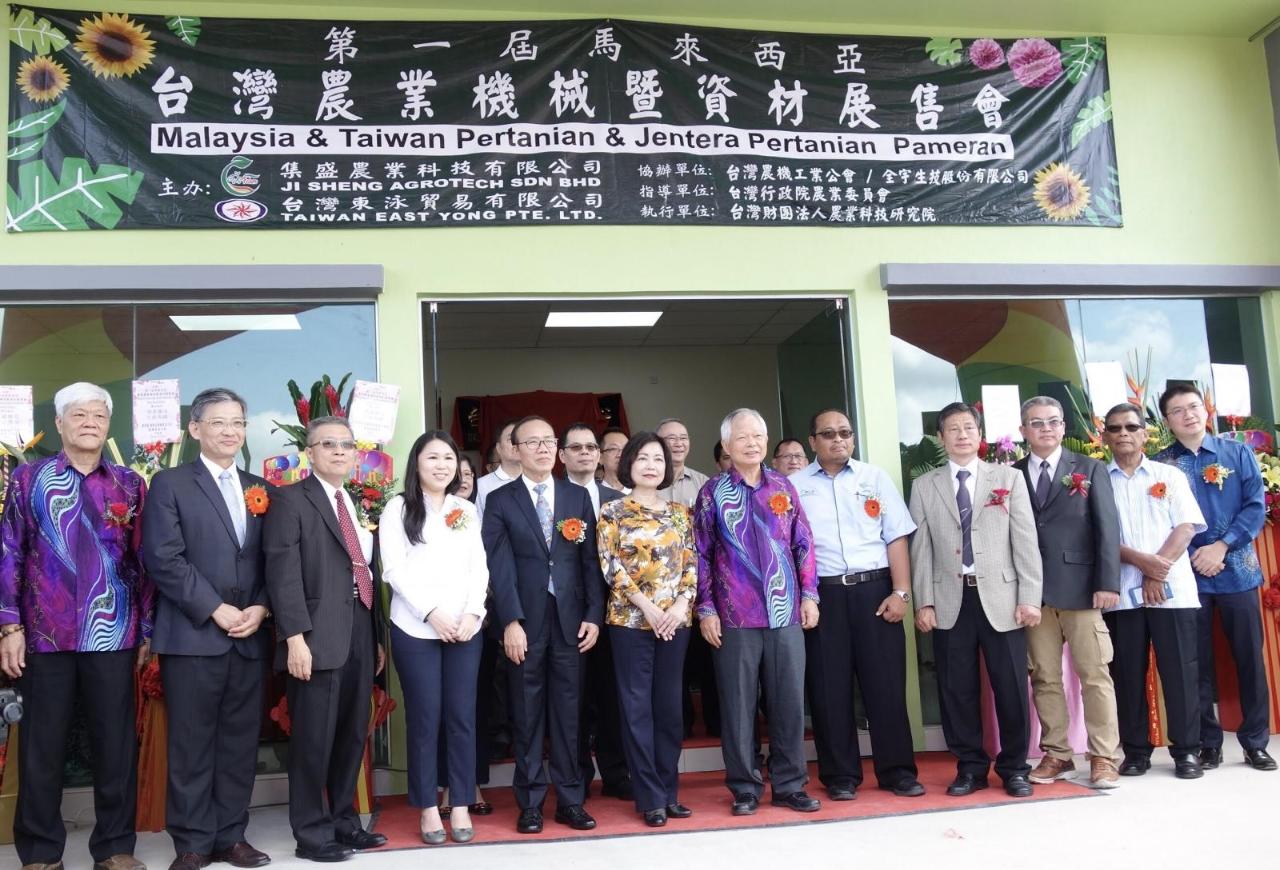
(649, 694)
(489, 652)
(960, 690)
(330, 714)
(700, 668)
(851, 642)
(1242, 623)
(601, 725)
(52, 685)
(1173, 633)
(214, 705)
(546, 698)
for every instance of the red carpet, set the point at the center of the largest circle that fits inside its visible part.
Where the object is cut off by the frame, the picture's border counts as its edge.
(706, 795)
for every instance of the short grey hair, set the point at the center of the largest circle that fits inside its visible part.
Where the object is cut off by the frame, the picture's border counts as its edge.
(726, 425)
(330, 420)
(80, 393)
(215, 396)
(1038, 401)
(665, 420)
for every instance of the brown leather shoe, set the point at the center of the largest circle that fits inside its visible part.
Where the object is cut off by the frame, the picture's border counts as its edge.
(120, 862)
(56, 865)
(1051, 769)
(1103, 773)
(189, 861)
(242, 855)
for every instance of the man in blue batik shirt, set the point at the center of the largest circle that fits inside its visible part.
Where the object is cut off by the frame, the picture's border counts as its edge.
(1227, 483)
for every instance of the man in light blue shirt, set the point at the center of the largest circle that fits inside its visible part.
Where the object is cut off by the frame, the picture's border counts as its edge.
(860, 526)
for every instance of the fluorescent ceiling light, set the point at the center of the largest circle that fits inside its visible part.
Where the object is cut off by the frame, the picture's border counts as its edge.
(233, 322)
(588, 319)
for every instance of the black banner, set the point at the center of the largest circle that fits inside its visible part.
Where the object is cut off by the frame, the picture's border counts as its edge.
(124, 121)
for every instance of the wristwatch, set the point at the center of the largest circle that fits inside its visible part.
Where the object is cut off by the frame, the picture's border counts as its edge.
(903, 594)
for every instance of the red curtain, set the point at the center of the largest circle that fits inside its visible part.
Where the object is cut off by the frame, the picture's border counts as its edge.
(477, 419)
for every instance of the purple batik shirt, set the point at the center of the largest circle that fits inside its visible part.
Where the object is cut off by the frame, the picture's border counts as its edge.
(755, 551)
(71, 575)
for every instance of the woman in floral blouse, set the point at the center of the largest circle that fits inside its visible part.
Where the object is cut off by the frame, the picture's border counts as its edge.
(647, 558)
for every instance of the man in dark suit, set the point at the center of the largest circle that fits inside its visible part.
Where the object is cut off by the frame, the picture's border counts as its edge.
(1079, 533)
(540, 536)
(601, 718)
(326, 603)
(202, 546)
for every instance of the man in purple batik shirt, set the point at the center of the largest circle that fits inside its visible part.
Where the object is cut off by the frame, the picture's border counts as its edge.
(75, 617)
(757, 590)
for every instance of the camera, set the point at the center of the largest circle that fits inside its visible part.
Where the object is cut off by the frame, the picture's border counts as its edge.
(10, 710)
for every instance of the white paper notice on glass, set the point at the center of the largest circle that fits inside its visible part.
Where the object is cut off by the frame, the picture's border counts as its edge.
(1231, 390)
(1002, 411)
(17, 415)
(373, 411)
(157, 412)
(1107, 386)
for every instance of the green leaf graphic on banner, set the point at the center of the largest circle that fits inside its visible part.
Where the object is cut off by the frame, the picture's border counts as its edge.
(1080, 56)
(944, 51)
(1095, 113)
(1106, 198)
(185, 28)
(35, 35)
(23, 150)
(46, 203)
(35, 124)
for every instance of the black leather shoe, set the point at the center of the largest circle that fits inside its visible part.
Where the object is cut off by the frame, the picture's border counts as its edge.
(1018, 786)
(678, 811)
(327, 854)
(481, 808)
(530, 821)
(908, 788)
(1258, 759)
(1210, 758)
(1187, 767)
(575, 817)
(655, 818)
(241, 855)
(842, 792)
(361, 839)
(189, 861)
(966, 783)
(745, 804)
(799, 801)
(623, 791)
(1135, 765)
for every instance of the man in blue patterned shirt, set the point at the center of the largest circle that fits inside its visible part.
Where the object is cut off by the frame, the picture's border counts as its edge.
(1227, 483)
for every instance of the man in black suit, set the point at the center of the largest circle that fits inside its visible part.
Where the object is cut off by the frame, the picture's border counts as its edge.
(601, 717)
(326, 603)
(202, 545)
(1079, 534)
(540, 536)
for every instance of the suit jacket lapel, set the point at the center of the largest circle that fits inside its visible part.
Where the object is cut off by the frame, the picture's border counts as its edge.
(981, 488)
(942, 483)
(1024, 466)
(252, 524)
(525, 499)
(209, 487)
(1066, 465)
(315, 492)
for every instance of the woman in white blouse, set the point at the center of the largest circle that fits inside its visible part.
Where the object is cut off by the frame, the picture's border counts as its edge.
(434, 561)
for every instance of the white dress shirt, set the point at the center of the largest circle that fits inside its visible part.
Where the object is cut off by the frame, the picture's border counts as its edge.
(548, 494)
(448, 571)
(488, 484)
(593, 490)
(971, 484)
(363, 535)
(1033, 466)
(846, 539)
(216, 470)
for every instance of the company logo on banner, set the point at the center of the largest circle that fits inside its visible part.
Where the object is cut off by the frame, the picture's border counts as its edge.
(363, 123)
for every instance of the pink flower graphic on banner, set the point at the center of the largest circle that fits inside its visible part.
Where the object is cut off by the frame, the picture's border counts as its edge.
(1035, 62)
(986, 54)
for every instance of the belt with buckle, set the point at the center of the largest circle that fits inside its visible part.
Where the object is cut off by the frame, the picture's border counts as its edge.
(855, 578)
(969, 579)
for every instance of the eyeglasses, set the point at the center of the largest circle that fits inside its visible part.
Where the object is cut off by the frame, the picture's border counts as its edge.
(833, 434)
(1051, 423)
(798, 456)
(535, 443)
(1184, 411)
(1113, 428)
(610, 450)
(224, 425)
(676, 439)
(333, 444)
(582, 448)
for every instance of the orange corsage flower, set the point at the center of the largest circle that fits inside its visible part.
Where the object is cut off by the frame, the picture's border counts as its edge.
(1158, 490)
(456, 519)
(872, 507)
(573, 529)
(256, 500)
(1216, 474)
(779, 503)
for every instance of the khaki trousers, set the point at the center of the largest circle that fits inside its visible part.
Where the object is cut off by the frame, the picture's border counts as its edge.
(1091, 653)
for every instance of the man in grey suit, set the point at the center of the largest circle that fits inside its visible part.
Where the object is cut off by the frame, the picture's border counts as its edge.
(976, 575)
(1080, 549)
(202, 545)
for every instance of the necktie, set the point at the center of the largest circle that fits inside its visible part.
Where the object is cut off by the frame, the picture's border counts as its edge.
(965, 504)
(234, 507)
(364, 579)
(543, 511)
(1042, 485)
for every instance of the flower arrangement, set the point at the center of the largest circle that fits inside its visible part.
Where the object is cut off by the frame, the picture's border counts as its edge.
(1077, 484)
(119, 514)
(370, 497)
(999, 498)
(572, 530)
(456, 519)
(256, 500)
(779, 503)
(1216, 475)
(324, 400)
(1005, 451)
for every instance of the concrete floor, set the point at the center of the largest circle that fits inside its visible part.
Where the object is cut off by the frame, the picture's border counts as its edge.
(1228, 819)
